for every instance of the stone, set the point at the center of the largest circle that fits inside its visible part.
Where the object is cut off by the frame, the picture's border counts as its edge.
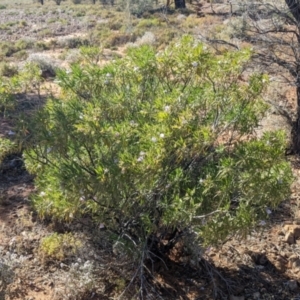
(294, 262)
(279, 262)
(289, 237)
(297, 231)
(292, 232)
(256, 295)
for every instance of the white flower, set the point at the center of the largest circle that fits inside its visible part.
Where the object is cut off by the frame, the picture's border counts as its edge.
(262, 223)
(161, 135)
(194, 64)
(133, 124)
(167, 108)
(142, 153)
(76, 265)
(42, 194)
(201, 181)
(153, 139)
(11, 132)
(140, 159)
(268, 211)
(135, 69)
(82, 198)
(108, 75)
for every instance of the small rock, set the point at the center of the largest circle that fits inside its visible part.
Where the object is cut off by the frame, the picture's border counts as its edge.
(289, 237)
(294, 262)
(297, 231)
(292, 285)
(256, 296)
(292, 232)
(279, 262)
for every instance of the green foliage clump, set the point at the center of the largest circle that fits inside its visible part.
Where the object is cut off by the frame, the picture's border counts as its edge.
(6, 147)
(8, 70)
(159, 140)
(59, 246)
(148, 23)
(24, 44)
(7, 49)
(27, 79)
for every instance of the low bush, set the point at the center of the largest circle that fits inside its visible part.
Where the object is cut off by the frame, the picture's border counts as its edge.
(148, 23)
(7, 49)
(71, 42)
(59, 246)
(156, 144)
(28, 78)
(6, 147)
(8, 70)
(21, 55)
(47, 65)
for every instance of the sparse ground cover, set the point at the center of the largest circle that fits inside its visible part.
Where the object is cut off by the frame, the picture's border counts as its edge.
(47, 259)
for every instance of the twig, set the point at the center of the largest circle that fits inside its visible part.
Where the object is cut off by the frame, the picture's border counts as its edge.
(204, 216)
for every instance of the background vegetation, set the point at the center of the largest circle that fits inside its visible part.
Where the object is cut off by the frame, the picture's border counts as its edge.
(142, 127)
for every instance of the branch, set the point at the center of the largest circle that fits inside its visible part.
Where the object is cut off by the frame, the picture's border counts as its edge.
(294, 7)
(209, 214)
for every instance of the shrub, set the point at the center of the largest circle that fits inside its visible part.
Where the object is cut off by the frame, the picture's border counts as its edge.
(7, 88)
(7, 49)
(47, 65)
(27, 78)
(8, 70)
(148, 23)
(157, 143)
(117, 39)
(40, 46)
(22, 54)
(78, 282)
(71, 42)
(147, 39)
(25, 43)
(59, 246)
(6, 147)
